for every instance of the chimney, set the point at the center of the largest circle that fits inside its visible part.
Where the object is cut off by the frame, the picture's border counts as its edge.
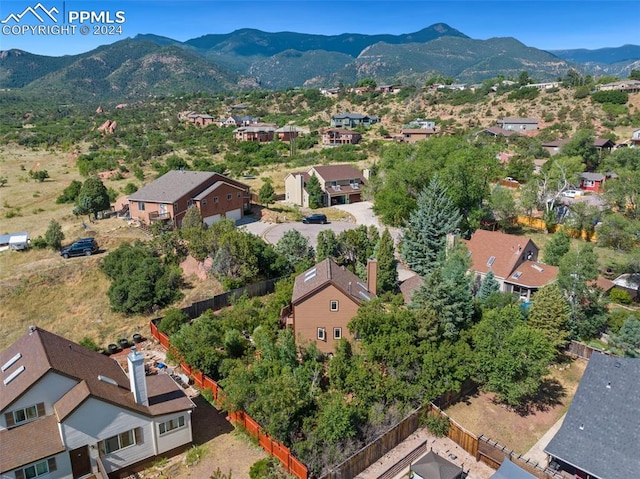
(372, 275)
(137, 378)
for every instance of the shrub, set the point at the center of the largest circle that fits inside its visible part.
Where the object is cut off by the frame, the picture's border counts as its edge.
(89, 343)
(194, 455)
(39, 242)
(130, 188)
(173, 320)
(437, 425)
(620, 296)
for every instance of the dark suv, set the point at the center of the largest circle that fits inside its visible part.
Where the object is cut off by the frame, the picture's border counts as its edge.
(84, 246)
(315, 218)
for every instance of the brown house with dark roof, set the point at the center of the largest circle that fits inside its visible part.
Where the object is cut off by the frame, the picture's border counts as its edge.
(169, 197)
(325, 298)
(513, 260)
(340, 136)
(69, 412)
(411, 135)
(341, 184)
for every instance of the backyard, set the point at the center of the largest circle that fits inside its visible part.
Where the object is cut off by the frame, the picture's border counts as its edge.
(518, 430)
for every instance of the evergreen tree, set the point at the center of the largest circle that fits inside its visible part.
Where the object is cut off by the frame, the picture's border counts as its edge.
(267, 194)
(425, 235)
(54, 235)
(93, 198)
(328, 246)
(314, 190)
(192, 219)
(549, 313)
(556, 248)
(387, 264)
(447, 291)
(295, 248)
(488, 286)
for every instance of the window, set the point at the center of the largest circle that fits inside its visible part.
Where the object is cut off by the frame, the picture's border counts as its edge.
(239, 195)
(204, 202)
(215, 199)
(175, 423)
(333, 305)
(337, 333)
(122, 440)
(38, 469)
(140, 205)
(24, 415)
(189, 203)
(229, 196)
(322, 334)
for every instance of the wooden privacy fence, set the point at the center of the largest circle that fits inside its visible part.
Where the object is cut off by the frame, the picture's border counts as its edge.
(540, 224)
(493, 454)
(458, 434)
(582, 350)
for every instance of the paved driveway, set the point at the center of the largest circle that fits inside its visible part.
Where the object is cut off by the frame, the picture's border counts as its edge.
(272, 232)
(362, 212)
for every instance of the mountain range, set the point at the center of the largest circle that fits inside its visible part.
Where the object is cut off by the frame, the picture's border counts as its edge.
(154, 65)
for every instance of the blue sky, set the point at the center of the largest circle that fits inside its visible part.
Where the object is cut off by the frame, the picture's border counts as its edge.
(543, 24)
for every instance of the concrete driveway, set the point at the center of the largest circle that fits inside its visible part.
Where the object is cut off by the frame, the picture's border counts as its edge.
(362, 212)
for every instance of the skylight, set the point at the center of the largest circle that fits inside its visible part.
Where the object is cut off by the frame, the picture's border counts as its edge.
(537, 268)
(517, 274)
(11, 361)
(13, 375)
(491, 260)
(310, 274)
(364, 295)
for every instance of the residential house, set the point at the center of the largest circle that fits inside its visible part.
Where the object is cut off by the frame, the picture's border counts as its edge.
(543, 86)
(420, 123)
(237, 121)
(389, 88)
(600, 435)
(630, 86)
(341, 184)
(513, 260)
(352, 120)
(330, 92)
(497, 131)
(288, 132)
(410, 286)
(325, 298)
(629, 282)
(168, 198)
(68, 412)
(555, 146)
(261, 133)
(635, 138)
(200, 119)
(594, 181)
(411, 135)
(340, 136)
(453, 86)
(517, 124)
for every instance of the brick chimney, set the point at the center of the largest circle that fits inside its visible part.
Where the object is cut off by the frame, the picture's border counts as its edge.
(372, 275)
(137, 377)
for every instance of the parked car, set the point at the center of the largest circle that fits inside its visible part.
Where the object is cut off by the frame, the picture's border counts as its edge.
(82, 247)
(315, 218)
(571, 193)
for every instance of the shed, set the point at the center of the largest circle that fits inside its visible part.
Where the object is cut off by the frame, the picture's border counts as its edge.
(432, 466)
(14, 241)
(508, 470)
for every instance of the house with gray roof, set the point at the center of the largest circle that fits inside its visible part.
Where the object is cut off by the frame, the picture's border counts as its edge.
(352, 120)
(168, 198)
(325, 298)
(69, 412)
(600, 435)
(517, 123)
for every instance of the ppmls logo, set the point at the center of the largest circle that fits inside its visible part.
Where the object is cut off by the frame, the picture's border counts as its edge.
(39, 20)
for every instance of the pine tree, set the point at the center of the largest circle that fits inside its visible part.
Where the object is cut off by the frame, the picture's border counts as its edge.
(54, 235)
(550, 314)
(267, 194)
(557, 248)
(488, 286)
(328, 246)
(425, 235)
(314, 190)
(387, 264)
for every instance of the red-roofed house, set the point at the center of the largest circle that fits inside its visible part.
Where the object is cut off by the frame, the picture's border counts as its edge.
(68, 412)
(325, 298)
(513, 260)
(594, 181)
(342, 184)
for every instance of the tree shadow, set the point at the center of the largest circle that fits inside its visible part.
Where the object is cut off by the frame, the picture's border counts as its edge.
(548, 396)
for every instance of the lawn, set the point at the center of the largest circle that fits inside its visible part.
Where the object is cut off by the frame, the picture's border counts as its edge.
(480, 414)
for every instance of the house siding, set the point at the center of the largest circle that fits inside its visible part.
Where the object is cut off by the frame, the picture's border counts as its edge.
(48, 390)
(314, 312)
(223, 205)
(96, 420)
(63, 468)
(294, 189)
(177, 437)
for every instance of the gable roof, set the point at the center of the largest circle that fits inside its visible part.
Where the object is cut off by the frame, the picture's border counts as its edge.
(410, 286)
(19, 446)
(337, 172)
(515, 119)
(508, 470)
(497, 131)
(212, 188)
(328, 272)
(351, 116)
(505, 249)
(41, 352)
(601, 431)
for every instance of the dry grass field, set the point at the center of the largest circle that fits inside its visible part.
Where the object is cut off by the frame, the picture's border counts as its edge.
(480, 414)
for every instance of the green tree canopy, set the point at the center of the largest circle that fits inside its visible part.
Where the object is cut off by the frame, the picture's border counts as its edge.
(93, 198)
(54, 235)
(387, 263)
(314, 190)
(550, 314)
(556, 248)
(267, 194)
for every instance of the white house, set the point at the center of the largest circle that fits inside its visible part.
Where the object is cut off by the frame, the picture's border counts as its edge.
(68, 412)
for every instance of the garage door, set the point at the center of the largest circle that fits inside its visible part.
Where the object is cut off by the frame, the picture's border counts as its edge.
(234, 214)
(209, 220)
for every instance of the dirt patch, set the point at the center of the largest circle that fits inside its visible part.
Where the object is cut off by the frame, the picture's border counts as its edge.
(482, 414)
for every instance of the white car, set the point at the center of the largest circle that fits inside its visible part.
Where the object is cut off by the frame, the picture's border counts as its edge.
(571, 193)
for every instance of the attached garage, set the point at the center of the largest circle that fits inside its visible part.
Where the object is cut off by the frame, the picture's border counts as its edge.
(209, 220)
(234, 214)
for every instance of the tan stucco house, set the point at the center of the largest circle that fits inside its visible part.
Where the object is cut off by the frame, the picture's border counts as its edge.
(341, 184)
